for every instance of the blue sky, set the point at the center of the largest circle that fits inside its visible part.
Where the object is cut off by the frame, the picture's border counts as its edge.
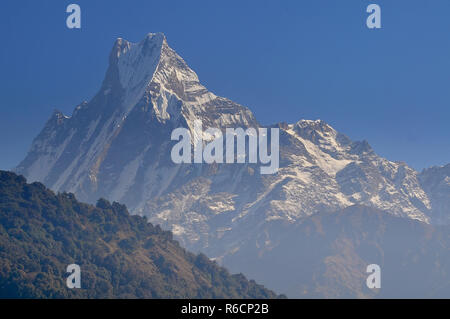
(285, 60)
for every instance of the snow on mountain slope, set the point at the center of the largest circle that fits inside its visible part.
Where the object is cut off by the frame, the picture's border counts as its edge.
(118, 146)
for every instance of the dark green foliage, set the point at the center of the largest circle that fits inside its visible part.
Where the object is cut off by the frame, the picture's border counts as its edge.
(120, 255)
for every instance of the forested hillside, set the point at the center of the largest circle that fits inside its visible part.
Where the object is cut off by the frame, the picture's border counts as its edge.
(120, 255)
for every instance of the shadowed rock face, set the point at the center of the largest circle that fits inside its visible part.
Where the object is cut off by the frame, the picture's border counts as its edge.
(118, 145)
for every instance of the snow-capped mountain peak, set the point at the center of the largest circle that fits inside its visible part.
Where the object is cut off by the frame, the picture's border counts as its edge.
(118, 146)
(152, 69)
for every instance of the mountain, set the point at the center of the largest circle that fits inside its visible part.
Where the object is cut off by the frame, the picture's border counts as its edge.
(120, 255)
(326, 256)
(117, 146)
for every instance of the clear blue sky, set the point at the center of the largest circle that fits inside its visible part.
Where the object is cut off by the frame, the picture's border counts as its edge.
(286, 60)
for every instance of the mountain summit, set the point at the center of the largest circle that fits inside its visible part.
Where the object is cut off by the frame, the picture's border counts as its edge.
(117, 146)
(151, 66)
(152, 71)
(125, 129)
